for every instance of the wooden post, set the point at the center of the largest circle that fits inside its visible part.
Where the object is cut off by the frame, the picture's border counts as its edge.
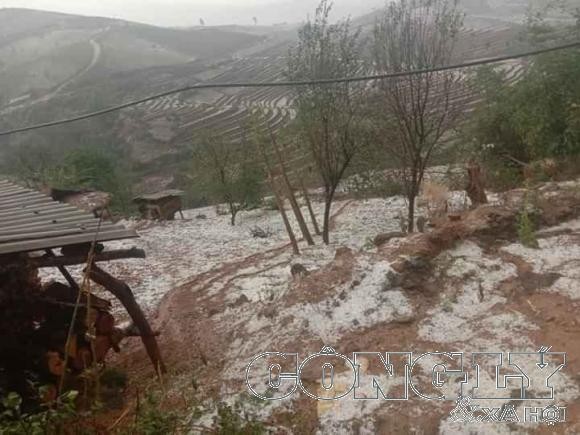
(63, 270)
(279, 201)
(290, 194)
(123, 292)
(310, 210)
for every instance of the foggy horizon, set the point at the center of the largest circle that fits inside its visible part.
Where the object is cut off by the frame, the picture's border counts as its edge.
(185, 13)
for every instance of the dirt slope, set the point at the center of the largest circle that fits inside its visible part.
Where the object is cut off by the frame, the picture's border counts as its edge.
(465, 286)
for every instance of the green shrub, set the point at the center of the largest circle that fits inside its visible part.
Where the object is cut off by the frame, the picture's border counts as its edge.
(152, 420)
(503, 177)
(373, 184)
(234, 421)
(270, 204)
(526, 230)
(53, 419)
(114, 378)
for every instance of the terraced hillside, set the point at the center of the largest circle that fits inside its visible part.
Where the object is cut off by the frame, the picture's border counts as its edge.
(41, 51)
(169, 124)
(118, 61)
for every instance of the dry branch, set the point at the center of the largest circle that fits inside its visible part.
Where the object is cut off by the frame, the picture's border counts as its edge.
(123, 292)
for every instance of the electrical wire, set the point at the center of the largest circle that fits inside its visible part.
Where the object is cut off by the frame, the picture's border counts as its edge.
(321, 82)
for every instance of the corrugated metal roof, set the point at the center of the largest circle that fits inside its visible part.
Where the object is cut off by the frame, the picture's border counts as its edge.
(159, 195)
(31, 221)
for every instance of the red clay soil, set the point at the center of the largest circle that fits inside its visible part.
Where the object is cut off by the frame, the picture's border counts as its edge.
(190, 339)
(189, 336)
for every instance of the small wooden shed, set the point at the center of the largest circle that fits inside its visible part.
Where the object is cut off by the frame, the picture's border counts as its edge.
(160, 205)
(38, 232)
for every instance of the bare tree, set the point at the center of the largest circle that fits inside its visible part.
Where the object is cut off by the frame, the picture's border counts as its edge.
(417, 110)
(328, 116)
(227, 173)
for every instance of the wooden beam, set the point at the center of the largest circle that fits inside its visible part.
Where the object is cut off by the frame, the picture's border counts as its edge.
(124, 293)
(60, 261)
(71, 281)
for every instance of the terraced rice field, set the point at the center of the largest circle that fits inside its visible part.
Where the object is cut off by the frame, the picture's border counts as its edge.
(229, 110)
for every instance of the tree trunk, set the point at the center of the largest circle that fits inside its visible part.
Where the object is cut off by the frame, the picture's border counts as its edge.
(326, 224)
(411, 215)
(310, 210)
(475, 188)
(233, 213)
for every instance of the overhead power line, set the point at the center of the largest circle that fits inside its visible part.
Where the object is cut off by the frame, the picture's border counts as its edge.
(365, 78)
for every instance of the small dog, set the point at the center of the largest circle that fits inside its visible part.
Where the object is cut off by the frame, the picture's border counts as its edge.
(298, 271)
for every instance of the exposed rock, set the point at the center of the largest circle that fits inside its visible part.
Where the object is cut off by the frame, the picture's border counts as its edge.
(404, 320)
(384, 238)
(260, 233)
(395, 280)
(343, 252)
(269, 311)
(213, 311)
(243, 299)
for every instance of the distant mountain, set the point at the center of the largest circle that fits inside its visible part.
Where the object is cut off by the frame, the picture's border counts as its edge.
(54, 66)
(41, 51)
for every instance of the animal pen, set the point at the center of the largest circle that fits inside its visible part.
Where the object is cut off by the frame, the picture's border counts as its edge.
(161, 205)
(55, 331)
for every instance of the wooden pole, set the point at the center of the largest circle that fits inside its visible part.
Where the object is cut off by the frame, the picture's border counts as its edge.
(279, 201)
(290, 194)
(124, 293)
(310, 210)
(71, 281)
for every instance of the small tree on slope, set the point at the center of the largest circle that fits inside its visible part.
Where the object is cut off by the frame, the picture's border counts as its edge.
(328, 116)
(227, 174)
(416, 111)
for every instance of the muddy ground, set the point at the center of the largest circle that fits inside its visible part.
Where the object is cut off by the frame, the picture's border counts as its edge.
(467, 285)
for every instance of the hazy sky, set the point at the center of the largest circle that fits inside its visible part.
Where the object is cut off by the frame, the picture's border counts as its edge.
(188, 12)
